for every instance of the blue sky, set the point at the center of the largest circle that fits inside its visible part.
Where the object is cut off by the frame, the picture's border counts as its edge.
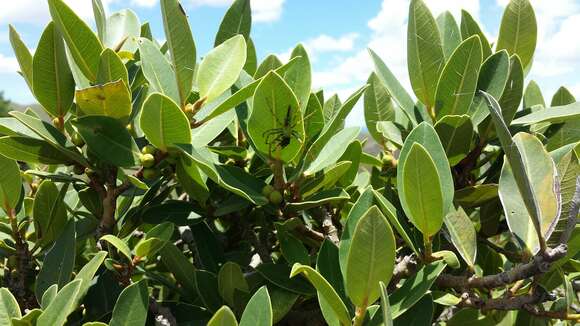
(335, 32)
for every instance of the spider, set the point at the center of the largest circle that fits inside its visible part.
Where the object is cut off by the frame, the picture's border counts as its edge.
(282, 136)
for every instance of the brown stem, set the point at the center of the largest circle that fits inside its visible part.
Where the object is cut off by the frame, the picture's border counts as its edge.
(539, 264)
(328, 226)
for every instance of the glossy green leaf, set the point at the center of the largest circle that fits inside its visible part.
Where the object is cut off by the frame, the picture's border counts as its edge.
(391, 213)
(58, 262)
(414, 288)
(276, 126)
(84, 46)
(122, 31)
(557, 114)
(49, 212)
(131, 306)
(54, 84)
(450, 34)
(158, 70)
(87, 272)
(221, 67)
(298, 77)
(61, 306)
(31, 150)
(476, 196)
(100, 18)
(469, 27)
(456, 133)
(10, 184)
(390, 132)
(231, 279)
(292, 248)
(378, 106)
(420, 314)
(109, 139)
(163, 122)
(562, 97)
(313, 118)
(258, 311)
(320, 198)
(327, 264)
(111, 99)
(541, 174)
(121, 246)
(181, 46)
(514, 90)
(324, 289)
(371, 258)
(23, 55)
(493, 77)
(333, 150)
(8, 307)
(568, 171)
(181, 268)
(394, 87)
(237, 20)
(456, 86)
(518, 31)
(111, 68)
(425, 59)
(271, 62)
(422, 197)
(533, 96)
(223, 317)
(462, 232)
(149, 247)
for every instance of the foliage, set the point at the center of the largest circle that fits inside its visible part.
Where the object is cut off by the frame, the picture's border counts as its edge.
(177, 188)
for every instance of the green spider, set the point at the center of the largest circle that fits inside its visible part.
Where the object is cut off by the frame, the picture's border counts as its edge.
(282, 136)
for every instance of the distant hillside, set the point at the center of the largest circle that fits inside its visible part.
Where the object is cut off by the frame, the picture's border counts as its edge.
(35, 107)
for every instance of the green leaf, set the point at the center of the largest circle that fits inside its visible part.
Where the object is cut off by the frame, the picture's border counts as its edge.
(313, 119)
(10, 184)
(378, 106)
(414, 288)
(181, 46)
(271, 62)
(333, 150)
(180, 267)
(327, 264)
(221, 67)
(109, 139)
(122, 31)
(54, 84)
(420, 314)
(132, 305)
(456, 86)
(149, 247)
(518, 31)
(450, 34)
(223, 317)
(425, 58)
(391, 213)
(425, 135)
(514, 90)
(237, 20)
(87, 272)
(23, 55)
(275, 125)
(456, 133)
(371, 258)
(298, 77)
(462, 232)
(390, 132)
(58, 264)
(541, 175)
(320, 198)
(61, 306)
(111, 99)
(568, 172)
(469, 27)
(325, 290)
(31, 150)
(277, 274)
(422, 196)
(394, 87)
(100, 18)
(258, 311)
(158, 70)
(476, 196)
(493, 77)
(111, 68)
(562, 97)
(119, 244)
(49, 212)
(533, 96)
(385, 306)
(163, 122)
(292, 248)
(8, 307)
(231, 279)
(251, 64)
(557, 114)
(517, 164)
(84, 46)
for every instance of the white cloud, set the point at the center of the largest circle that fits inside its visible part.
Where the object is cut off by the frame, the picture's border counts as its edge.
(8, 65)
(144, 3)
(36, 11)
(323, 44)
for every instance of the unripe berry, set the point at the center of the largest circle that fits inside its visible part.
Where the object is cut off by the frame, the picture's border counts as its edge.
(267, 190)
(77, 140)
(147, 160)
(149, 149)
(276, 197)
(150, 174)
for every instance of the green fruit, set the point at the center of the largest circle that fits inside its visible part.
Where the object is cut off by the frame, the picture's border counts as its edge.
(77, 140)
(276, 197)
(150, 174)
(149, 149)
(147, 160)
(267, 190)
